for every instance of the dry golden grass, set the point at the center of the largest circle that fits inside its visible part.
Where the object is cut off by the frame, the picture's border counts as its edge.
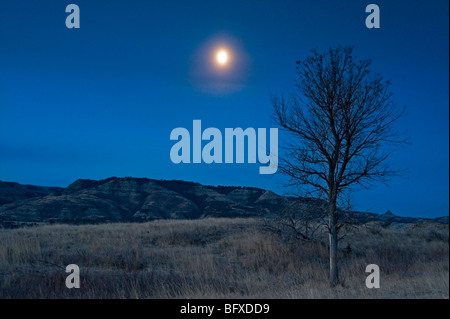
(217, 258)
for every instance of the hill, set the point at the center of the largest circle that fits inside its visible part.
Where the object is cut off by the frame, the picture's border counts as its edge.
(141, 199)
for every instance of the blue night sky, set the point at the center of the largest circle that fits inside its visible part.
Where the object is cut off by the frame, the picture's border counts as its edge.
(101, 100)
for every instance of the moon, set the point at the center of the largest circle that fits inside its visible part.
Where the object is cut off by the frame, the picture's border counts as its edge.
(222, 57)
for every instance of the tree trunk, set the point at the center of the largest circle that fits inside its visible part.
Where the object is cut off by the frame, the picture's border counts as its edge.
(332, 224)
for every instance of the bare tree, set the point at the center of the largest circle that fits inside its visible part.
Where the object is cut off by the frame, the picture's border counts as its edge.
(341, 122)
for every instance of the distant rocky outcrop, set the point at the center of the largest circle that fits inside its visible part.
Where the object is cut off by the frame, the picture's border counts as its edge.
(130, 199)
(142, 199)
(11, 192)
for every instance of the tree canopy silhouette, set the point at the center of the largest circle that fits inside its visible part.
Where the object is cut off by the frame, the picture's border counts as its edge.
(341, 121)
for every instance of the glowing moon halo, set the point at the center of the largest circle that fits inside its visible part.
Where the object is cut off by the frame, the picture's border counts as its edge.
(222, 57)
